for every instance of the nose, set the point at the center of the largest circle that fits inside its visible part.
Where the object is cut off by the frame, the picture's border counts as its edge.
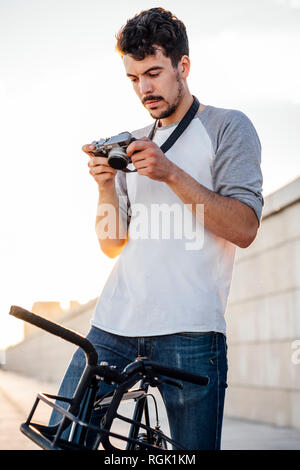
(145, 86)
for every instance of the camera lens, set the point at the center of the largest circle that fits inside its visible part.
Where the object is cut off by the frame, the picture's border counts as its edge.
(118, 159)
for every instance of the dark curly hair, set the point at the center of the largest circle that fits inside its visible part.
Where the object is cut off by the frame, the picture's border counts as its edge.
(154, 27)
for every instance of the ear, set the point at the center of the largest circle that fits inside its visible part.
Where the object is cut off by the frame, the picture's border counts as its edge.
(184, 66)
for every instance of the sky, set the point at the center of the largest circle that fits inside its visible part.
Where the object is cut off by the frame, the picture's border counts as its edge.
(63, 85)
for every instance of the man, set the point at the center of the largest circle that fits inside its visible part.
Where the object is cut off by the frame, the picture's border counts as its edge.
(164, 299)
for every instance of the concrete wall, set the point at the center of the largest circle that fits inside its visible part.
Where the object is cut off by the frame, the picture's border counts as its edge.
(263, 317)
(263, 321)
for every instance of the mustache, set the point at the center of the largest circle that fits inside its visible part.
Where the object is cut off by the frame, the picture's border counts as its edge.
(152, 98)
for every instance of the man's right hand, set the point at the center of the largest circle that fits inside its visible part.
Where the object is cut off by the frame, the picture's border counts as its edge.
(103, 174)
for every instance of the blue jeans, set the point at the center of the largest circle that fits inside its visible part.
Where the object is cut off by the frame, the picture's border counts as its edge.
(195, 413)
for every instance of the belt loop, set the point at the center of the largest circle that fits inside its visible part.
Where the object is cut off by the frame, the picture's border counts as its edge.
(213, 342)
(141, 347)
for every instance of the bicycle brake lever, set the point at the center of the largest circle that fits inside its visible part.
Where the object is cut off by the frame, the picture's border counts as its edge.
(155, 381)
(172, 382)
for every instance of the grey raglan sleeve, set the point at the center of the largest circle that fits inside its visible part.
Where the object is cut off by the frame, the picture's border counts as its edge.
(237, 162)
(124, 204)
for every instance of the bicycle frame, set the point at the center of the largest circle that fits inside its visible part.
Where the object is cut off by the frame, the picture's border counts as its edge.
(49, 437)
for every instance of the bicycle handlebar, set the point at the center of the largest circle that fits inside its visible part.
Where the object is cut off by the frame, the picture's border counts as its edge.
(176, 373)
(57, 330)
(108, 372)
(144, 365)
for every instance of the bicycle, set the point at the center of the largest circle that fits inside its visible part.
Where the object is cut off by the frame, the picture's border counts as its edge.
(77, 417)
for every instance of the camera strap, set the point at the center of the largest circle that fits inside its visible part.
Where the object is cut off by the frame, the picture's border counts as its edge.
(178, 131)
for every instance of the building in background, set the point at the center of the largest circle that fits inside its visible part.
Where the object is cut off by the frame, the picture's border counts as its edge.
(51, 310)
(263, 322)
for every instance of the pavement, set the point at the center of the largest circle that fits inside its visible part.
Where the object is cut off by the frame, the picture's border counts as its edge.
(17, 395)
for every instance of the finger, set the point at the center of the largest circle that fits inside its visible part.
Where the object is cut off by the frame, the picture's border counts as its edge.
(138, 145)
(141, 165)
(143, 172)
(96, 170)
(139, 156)
(103, 177)
(87, 148)
(94, 161)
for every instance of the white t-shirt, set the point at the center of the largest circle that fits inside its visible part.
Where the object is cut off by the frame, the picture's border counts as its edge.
(174, 275)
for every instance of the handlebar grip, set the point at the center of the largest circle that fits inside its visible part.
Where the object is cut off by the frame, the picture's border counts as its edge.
(57, 330)
(176, 373)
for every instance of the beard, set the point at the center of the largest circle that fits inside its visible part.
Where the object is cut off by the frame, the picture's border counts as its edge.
(171, 107)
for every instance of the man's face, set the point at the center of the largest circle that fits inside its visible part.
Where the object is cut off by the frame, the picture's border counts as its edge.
(156, 82)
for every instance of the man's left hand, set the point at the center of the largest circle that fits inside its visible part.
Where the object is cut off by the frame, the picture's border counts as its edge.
(149, 160)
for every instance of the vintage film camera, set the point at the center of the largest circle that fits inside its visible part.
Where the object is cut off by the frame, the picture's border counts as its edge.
(114, 148)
